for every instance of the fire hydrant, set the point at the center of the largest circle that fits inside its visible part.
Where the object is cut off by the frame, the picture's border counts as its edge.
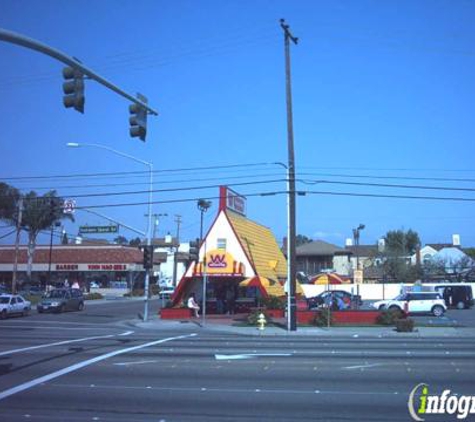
(261, 321)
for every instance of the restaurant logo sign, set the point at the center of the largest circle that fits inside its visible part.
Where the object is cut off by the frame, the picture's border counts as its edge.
(220, 263)
(228, 199)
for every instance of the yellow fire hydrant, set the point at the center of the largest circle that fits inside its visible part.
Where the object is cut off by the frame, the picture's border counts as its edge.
(261, 321)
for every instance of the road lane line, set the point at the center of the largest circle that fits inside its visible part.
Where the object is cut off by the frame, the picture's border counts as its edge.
(370, 365)
(248, 356)
(80, 365)
(58, 343)
(141, 362)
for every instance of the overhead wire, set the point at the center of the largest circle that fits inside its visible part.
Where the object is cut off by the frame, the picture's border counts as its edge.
(244, 166)
(273, 193)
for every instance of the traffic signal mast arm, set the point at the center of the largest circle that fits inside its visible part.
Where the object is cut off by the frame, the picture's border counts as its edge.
(114, 221)
(15, 38)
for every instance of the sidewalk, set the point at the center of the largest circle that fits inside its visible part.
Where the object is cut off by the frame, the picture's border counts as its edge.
(224, 324)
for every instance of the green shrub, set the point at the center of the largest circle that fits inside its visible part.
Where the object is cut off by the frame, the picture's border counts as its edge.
(273, 302)
(388, 317)
(34, 299)
(93, 296)
(253, 317)
(404, 325)
(323, 318)
(169, 304)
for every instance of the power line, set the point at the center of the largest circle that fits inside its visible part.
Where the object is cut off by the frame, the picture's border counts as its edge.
(142, 172)
(399, 186)
(274, 193)
(8, 234)
(370, 195)
(359, 176)
(141, 192)
(160, 182)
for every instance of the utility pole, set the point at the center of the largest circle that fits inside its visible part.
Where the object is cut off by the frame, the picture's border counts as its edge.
(17, 243)
(156, 223)
(175, 254)
(292, 304)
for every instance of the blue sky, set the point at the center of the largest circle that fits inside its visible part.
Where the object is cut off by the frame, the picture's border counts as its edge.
(383, 93)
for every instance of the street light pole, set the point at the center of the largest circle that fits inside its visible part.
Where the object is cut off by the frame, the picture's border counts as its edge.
(149, 213)
(356, 235)
(203, 206)
(291, 182)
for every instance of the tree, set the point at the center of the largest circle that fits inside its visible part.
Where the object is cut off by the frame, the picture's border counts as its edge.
(301, 239)
(470, 252)
(399, 245)
(135, 242)
(40, 213)
(9, 197)
(121, 240)
(401, 242)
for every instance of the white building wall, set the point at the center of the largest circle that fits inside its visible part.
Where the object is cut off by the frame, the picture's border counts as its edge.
(341, 264)
(367, 291)
(222, 230)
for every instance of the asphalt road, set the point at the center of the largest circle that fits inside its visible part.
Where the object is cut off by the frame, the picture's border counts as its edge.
(84, 367)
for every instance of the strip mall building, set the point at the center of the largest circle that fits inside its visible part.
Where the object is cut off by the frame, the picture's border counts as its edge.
(108, 265)
(234, 250)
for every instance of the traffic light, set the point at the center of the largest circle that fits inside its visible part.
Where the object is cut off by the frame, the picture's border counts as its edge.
(148, 257)
(194, 250)
(74, 89)
(138, 119)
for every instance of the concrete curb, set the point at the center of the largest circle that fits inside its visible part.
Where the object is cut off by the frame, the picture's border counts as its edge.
(354, 332)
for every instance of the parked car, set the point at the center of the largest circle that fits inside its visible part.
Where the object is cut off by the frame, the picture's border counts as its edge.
(330, 296)
(166, 294)
(32, 291)
(420, 302)
(13, 305)
(456, 295)
(62, 300)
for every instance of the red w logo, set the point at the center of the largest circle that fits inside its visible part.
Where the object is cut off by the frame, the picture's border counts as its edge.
(217, 261)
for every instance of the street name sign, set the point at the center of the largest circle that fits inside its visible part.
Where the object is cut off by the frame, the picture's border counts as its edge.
(98, 229)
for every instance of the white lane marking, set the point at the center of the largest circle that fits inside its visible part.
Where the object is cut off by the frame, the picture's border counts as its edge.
(127, 333)
(135, 363)
(80, 365)
(371, 365)
(248, 356)
(36, 327)
(58, 343)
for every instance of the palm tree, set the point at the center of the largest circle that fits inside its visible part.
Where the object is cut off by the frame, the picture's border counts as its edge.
(9, 197)
(40, 213)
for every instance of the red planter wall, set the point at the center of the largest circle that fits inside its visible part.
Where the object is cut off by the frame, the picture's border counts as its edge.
(175, 313)
(275, 313)
(341, 317)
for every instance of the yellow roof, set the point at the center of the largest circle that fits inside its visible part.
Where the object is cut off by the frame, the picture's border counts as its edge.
(260, 246)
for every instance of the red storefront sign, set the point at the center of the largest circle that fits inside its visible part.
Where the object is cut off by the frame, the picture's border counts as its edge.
(107, 267)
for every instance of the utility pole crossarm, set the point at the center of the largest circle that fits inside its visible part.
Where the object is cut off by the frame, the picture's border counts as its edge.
(288, 34)
(15, 38)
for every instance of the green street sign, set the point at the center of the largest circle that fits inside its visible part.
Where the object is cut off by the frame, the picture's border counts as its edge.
(98, 229)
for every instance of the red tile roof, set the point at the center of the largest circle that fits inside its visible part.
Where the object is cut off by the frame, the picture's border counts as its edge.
(72, 254)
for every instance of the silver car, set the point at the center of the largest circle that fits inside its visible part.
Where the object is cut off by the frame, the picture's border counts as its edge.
(62, 300)
(13, 305)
